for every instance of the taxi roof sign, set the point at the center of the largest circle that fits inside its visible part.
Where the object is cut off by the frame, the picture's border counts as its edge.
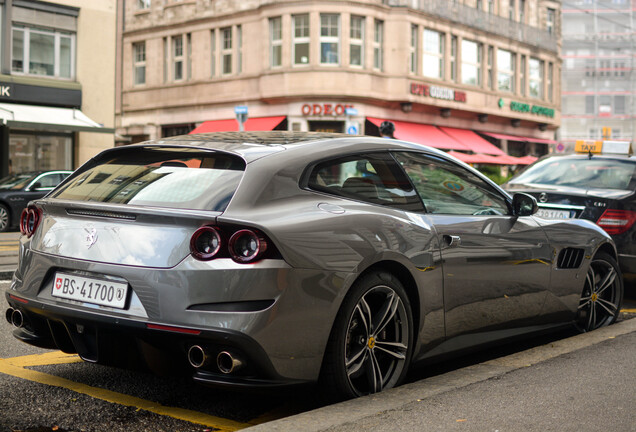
(603, 147)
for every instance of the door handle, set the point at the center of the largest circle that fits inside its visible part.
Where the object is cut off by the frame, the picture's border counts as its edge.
(452, 240)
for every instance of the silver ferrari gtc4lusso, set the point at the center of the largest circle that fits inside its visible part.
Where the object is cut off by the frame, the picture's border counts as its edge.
(266, 259)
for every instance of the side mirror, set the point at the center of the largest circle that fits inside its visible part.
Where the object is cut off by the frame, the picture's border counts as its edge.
(524, 205)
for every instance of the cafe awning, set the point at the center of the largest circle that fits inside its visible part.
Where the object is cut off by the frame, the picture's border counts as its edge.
(474, 142)
(231, 125)
(425, 134)
(48, 118)
(519, 138)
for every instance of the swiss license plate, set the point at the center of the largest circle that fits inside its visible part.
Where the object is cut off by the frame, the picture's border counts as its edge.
(90, 290)
(553, 214)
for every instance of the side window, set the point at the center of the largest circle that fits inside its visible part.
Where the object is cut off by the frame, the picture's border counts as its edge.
(449, 189)
(373, 178)
(49, 180)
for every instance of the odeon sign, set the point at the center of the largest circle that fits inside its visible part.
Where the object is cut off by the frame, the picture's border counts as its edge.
(324, 109)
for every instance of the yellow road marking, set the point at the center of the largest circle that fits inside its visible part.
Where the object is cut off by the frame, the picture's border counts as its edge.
(628, 310)
(10, 367)
(49, 358)
(8, 248)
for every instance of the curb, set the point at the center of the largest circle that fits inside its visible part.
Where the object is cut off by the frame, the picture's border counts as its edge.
(352, 411)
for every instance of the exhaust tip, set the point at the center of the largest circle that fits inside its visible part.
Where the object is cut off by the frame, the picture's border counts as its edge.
(227, 363)
(197, 356)
(8, 315)
(17, 319)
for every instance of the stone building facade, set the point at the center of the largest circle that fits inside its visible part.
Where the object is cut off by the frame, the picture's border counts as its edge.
(490, 67)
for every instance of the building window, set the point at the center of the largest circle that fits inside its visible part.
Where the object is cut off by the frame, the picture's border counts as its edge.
(550, 20)
(189, 56)
(590, 105)
(490, 70)
(505, 71)
(453, 59)
(491, 6)
(378, 45)
(535, 75)
(522, 75)
(619, 104)
(42, 52)
(166, 60)
(143, 4)
(413, 49)
(213, 53)
(511, 10)
(356, 41)
(177, 58)
(239, 51)
(300, 39)
(471, 63)
(433, 56)
(226, 50)
(478, 4)
(329, 39)
(550, 82)
(522, 11)
(275, 42)
(139, 63)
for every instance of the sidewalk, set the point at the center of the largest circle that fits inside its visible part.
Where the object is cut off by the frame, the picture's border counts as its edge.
(9, 245)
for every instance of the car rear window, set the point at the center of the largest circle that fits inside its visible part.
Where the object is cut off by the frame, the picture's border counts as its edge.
(159, 177)
(582, 173)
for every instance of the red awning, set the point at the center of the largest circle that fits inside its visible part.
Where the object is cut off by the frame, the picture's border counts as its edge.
(474, 142)
(231, 125)
(519, 138)
(422, 134)
(490, 159)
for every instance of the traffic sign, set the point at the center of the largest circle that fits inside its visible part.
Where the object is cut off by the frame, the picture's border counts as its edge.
(240, 109)
(351, 111)
(352, 129)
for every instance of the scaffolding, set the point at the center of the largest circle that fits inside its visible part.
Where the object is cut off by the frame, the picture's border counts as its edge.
(598, 76)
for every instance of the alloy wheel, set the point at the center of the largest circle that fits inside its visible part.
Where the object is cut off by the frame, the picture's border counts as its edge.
(376, 341)
(600, 303)
(4, 218)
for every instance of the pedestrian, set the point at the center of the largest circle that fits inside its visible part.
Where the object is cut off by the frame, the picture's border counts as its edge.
(387, 129)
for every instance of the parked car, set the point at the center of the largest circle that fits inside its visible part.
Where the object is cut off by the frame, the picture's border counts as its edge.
(600, 187)
(18, 189)
(266, 259)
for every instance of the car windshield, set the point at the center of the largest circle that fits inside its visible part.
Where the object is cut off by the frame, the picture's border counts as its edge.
(175, 178)
(584, 173)
(16, 181)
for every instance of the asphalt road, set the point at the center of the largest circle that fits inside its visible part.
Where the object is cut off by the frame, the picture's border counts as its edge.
(562, 382)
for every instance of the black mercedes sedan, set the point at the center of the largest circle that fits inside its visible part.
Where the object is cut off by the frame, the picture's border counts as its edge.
(597, 187)
(18, 189)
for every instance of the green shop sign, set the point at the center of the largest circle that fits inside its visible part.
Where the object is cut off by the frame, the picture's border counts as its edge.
(527, 108)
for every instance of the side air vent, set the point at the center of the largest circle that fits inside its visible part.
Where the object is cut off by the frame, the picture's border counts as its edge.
(101, 213)
(570, 258)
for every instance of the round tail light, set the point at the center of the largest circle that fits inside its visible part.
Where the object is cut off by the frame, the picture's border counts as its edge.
(247, 246)
(205, 243)
(23, 221)
(29, 220)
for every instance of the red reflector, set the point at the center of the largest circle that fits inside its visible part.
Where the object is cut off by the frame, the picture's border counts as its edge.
(173, 329)
(21, 300)
(617, 221)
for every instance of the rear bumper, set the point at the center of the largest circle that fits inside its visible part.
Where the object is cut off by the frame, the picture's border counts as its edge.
(132, 344)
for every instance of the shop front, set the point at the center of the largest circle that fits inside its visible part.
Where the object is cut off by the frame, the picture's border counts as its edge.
(39, 126)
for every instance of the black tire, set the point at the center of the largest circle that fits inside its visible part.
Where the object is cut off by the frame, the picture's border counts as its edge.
(602, 295)
(361, 359)
(5, 218)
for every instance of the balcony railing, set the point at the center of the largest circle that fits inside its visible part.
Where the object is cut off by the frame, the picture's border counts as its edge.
(472, 17)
